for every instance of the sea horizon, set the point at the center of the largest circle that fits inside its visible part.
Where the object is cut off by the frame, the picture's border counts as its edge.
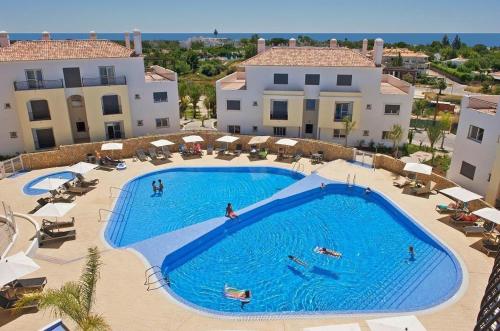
(488, 39)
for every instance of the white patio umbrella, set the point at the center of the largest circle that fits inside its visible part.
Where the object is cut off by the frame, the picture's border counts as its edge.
(399, 323)
(257, 140)
(287, 142)
(57, 209)
(335, 327)
(162, 143)
(461, 194)
(227, 140)
(419, 168)
(50, 183)
(490, 214)
(192, 139)
(82, 167)
(111, 146)
(16, 266)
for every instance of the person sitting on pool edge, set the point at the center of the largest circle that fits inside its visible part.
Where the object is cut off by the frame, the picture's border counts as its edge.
(230, 212)
(368, 190)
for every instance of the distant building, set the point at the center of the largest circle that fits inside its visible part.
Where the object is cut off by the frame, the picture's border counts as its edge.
(457, 61)
(475, 164)
(206, 41)
(307, 91)
(495, 75)
(59, 92)
(411, 62)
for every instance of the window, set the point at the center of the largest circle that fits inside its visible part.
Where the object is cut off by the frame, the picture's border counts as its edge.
(162, 122)
(338, 133)
(279, 131)
(475, 133)
(392, 109)
(279, 110)
(34, 77)
(233, 104)
(311, 104)
(235, 129)
(369, 107)
(344, 80)
(140, 123)
(113, 130)
(13, 135)
(43, 138)
(255, 104)
(467, 170)
(312, 79)
(81, 127)
(107, 75)
(7, 106)
(309, 128)
(281, 79)
(342, 110)
(38, 110)
(72, 77)
(160, 97)
(386, 134)
(255, 129)
(366, 133)
(137, 97)
(111, 105)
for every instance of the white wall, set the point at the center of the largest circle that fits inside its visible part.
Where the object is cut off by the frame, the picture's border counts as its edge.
(481, 155)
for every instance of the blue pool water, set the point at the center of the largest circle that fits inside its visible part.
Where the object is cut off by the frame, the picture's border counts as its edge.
(191, 195)
(375, 273)
(29, 190)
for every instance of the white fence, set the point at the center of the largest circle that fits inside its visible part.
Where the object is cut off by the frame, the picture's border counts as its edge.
(11, 166)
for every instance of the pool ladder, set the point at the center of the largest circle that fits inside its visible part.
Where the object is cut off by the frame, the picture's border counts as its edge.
(348, 180)
(158, 281)
(298, 167)
(111, 188)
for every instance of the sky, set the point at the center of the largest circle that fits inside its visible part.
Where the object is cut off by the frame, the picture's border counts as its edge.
(251, 15)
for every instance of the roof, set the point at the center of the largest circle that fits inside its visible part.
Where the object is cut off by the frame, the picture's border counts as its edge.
(405, 52)
(309, 57)
(387, 88)
(37, 50)
(487, 104)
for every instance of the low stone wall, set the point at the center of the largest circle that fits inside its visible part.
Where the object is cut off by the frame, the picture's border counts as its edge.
(70, 154)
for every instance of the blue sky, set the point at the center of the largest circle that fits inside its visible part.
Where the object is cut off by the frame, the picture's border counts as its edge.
(251, 15)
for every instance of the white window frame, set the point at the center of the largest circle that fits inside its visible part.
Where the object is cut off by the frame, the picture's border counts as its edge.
(475, 138)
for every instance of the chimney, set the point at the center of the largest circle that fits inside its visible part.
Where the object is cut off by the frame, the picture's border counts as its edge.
(292, 42)
(333, 43)
(45, 35)
(127, 40)
(364, 50)
(4, 39)
(137, 42)
(92, 35)
(378, 50)
(261, 45)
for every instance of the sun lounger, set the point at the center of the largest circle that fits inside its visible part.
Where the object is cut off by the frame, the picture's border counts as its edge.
(450, 208)
(478, 229)
(152, 153)
(210, 149)
(141, 155)
(48, 236)
(263, 154)
(238, 150)
(490, 248)
(197, 150)
(81, 181)
(56, 196)
(43, 201)
(29, 284)
(401, 182)
(54, 225)
(297, 157)
(76, 189)
(8, 304)
(428, 188)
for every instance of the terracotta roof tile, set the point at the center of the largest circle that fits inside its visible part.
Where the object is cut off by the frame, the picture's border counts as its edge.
(62, 50)
(309, 57)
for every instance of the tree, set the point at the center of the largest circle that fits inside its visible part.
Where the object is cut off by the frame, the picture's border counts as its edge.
(192, 59)
(440, 85)
(456, 44)
(210, 100)
(445, 41)
(419, 108)
(445, 124)
(73, 299)
(396, 135)
(433, 134)
(183, 98)
(411, 134)
(348, 126)
(194, 95)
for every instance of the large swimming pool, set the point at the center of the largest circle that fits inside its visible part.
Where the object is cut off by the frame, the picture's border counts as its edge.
(191, 195)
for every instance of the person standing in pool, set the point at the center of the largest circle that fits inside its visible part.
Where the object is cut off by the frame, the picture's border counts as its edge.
(160, 186)
(155, 189)
(411, 251)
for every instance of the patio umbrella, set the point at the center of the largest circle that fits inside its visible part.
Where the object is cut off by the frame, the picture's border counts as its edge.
(399, 323)
(257, 140)
(490, 214)
(50, 183)
(461, 194)
(82, 167)
(16, 266)
(335, 327)
(227, 140)
(54, 209)
(286, 142)
(111, 146)
(192, 139)
(162, 143)
(419, 168)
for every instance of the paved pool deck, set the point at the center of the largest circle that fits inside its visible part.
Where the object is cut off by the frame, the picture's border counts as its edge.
(122, 297)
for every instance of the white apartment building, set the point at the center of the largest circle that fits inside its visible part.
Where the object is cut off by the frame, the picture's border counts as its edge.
(59, 92)
(307, 91)
(475, 164)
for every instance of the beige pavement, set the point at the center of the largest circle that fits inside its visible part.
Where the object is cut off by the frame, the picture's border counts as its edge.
(123, 300)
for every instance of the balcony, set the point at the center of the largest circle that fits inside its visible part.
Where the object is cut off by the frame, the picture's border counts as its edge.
(38, 84)
(104, 81)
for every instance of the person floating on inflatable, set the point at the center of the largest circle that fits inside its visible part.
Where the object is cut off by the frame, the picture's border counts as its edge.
(297, 260)
(230, 212)
(241, 295)
(329, 252)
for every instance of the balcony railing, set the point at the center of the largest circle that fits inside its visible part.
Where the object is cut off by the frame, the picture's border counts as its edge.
(104, 81)
(38, 84)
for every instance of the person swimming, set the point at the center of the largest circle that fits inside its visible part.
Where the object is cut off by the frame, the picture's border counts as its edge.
(329, 252)
(230, 212)
(160, 186)
(411, 251)
(322, 186)
(155, 188)
(297, 260)
(368, 190)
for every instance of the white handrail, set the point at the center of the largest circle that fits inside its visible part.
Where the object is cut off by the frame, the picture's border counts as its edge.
(116, 188)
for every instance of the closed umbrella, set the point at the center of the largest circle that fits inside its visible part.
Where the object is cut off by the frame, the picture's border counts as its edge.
(16, 266)
(50, 183)
(399, 323)
(82, 167)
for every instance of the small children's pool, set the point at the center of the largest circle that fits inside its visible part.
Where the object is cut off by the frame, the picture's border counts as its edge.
(29, 190)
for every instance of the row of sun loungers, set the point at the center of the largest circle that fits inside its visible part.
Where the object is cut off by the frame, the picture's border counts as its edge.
(11, 293)
(50, 232)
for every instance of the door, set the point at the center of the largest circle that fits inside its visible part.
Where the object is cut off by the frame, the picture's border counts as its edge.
(113, 130)
(44, 138)
(72, 77)
(34, 77)
(107, 75)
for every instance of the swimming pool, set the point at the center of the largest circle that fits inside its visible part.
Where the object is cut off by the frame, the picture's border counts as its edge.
(375, 274)
(191, 195)
(29, 190)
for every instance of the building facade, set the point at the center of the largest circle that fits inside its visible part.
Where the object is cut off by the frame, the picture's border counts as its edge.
(308, 91)
(58, 92)
(475, 164)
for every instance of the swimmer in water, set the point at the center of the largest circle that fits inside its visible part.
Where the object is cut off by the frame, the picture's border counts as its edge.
(297, 260)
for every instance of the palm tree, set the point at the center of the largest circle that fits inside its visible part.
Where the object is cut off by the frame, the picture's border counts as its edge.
(348, 126)
(194, 95)
(419, 108)
(396, 135)
(183, 106)
(445, 124)
(210, 100)
(433, 134)
(73, 299)
(440, 85)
